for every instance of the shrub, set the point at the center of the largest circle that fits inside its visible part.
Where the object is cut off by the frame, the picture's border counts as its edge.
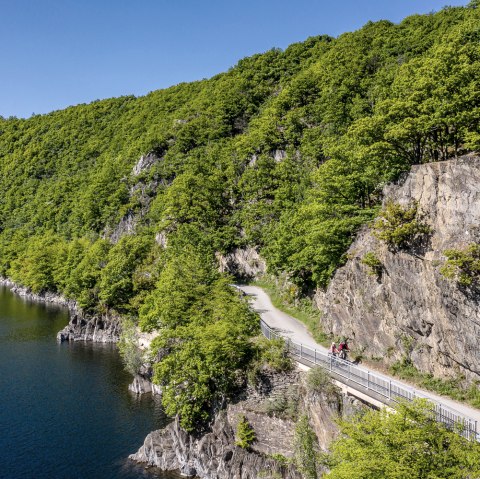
(280, 458)
(398, 226)
(318, 381)
(404, 368)
(274, 353)
(374, 265)
(128, 347)
(408, 444)
(463, 266)
(245, 433)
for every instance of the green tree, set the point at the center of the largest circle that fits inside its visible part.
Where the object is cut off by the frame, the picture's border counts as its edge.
(400, 226)
(116, 278)
(408, 443)
(83, 283)
(245, 433)
(306, 449)
(463, 265)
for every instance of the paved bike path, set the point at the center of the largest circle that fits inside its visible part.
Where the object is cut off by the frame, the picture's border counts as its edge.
(292, 328)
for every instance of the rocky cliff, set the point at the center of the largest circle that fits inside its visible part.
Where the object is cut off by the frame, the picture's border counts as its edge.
(99, 329)
(409, 308)
(271, 409)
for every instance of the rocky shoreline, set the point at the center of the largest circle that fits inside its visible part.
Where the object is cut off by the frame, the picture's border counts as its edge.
(214, 453)
(81, 327)
(46, 297)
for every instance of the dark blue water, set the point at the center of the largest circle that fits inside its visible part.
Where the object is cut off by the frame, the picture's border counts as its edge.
(65, 411)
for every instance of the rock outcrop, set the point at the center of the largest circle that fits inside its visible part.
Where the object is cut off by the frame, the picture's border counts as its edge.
(243, 263)
(143, 385)
(409, 308)
(214, 454)
(142, 190)
(103, 329)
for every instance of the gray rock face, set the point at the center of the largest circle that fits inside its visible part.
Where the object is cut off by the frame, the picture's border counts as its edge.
(143, 191)
(410, 308)
(279, 155)
(212, 456)
(142, 385)
(104, 329)
(244, 263)
(144, 163)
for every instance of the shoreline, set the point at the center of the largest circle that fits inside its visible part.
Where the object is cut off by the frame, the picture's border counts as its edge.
(46, 297)
(81, 327)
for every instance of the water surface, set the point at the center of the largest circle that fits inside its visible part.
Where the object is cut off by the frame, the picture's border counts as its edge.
(65, 410)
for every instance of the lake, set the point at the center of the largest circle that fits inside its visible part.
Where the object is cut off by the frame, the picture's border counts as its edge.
(65, 410)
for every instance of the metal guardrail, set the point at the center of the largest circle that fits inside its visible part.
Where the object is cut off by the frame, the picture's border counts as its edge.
(359, 378)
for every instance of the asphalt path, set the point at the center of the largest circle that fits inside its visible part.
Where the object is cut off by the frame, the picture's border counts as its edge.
(292, 328)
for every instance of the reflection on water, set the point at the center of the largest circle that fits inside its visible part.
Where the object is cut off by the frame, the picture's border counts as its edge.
(65, 410)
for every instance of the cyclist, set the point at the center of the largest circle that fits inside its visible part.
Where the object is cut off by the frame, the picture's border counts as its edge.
(343, 348)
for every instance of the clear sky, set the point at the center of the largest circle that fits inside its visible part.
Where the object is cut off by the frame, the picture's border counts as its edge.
(56, 53)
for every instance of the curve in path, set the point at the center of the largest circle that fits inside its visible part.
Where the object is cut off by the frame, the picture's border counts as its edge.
(292, 328)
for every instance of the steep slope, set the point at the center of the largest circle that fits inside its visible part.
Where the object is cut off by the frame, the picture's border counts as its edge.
(407, 308)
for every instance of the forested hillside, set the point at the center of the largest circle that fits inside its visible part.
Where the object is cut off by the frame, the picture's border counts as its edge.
(287, 152)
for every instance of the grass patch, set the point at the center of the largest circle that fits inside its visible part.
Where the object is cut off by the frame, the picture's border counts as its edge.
(454, 388)
(303, 310)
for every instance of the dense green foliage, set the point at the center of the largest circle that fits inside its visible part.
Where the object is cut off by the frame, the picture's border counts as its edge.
(463, 266)
(320, 382)
(205, 335)
(128, 347)
(272, 353)
(287, 151)
(456, 388)
(407, 444)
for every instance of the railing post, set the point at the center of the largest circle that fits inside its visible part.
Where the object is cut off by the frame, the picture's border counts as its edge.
(390, 389)
(368, 380)
(301, 350)
(315, 356)
(331, 359)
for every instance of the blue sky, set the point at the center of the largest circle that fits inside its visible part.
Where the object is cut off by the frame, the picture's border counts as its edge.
(56, 53)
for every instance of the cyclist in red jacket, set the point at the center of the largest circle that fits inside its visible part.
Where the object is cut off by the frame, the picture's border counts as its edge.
(343, 348)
